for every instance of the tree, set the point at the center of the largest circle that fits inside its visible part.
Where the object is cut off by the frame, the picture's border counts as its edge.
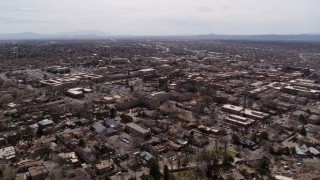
(224, 143)
(27, 132)
(178, 161)
(166, 173)
(82, 143)
(1, 82)
(236, 139)
(263, 166)
(227, 160)
(126, 118)
(107, 178)
(308, 111)
(302, 119)
(185, 159)
(131, 89)
(113, 113)
(154, 171)
(303, 131)
(146, 177)
(39, 131)
(191, 139)
(167, 89)
(210, 159)
(254, 137)
(292, 150)
(264, 136)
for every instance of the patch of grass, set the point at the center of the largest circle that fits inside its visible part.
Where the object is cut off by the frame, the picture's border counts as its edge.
(231, 153)
(184, 175)
(192, 159)
(9, 172)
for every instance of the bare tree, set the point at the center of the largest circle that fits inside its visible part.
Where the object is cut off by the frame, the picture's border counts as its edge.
(210, 158)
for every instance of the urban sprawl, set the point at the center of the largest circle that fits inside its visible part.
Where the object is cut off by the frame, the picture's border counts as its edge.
(158, 109)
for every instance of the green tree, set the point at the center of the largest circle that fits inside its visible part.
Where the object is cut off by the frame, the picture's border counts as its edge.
(107, 178)
(82, 143)
(154, 171)
(27, 132)
(264, 136)
(166, 173)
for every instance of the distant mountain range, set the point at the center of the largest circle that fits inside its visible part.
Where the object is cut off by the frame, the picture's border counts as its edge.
(92, 34)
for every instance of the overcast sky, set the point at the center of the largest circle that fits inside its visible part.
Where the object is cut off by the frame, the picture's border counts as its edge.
(161, 17)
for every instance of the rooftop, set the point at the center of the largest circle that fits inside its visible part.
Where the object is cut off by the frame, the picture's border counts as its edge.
(137, 127)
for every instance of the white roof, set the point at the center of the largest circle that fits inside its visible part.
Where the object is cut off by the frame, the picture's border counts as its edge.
(283, 178)
(314, 151)
(7, 152)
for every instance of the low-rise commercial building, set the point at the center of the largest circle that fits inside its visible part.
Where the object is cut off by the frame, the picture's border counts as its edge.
(104, 166)
(238, 120)
(137, 130)
(302, 91)
(38, 172)
(257, 115)
(8, 153)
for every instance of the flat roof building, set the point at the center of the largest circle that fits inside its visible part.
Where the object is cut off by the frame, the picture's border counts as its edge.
(7, 153)
(38, 172)
(238, 120)
(302, 91)
(137, 130)
(104, 166)
(257, 115)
